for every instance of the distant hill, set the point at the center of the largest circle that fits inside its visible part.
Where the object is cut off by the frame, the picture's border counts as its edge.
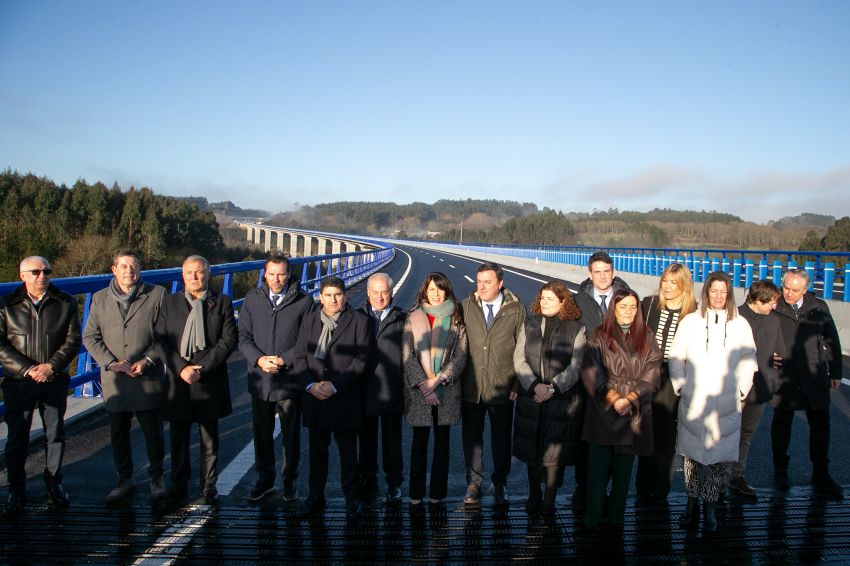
(808, 219)
(226, 208)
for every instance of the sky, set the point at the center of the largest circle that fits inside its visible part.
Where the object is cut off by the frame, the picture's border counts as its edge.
(734, 106)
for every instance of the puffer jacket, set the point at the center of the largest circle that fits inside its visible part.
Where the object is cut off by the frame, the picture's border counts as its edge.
(812, 354)
(548, 433)
(32, 335)
(609, 374)
(489, 376)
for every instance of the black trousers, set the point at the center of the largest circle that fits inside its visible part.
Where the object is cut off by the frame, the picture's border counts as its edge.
(289, 411)
(393, 462)
(346, 442)
(501, 426)
(439, 461)
(655, 472)
(181, 469)
(150, 422)
(780, 438)
(21, 398)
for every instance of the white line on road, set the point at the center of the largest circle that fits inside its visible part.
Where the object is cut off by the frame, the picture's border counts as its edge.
(452, 266)
(441, 259)
(175, 538)
(406, 272)
(503, 268)
(469, 279)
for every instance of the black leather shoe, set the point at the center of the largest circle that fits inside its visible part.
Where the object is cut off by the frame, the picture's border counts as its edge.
(473, 496)
(313, 504)
(501, 496)
(741, 487)
(260, 490)
(56, 495)
(709, 519)
(14, 506)
(826, 486)
(290, 494)
(393, 495)
(353, 507)
(689, 520)
(210, 494)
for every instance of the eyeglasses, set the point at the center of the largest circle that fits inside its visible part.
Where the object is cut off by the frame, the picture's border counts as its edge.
(37, 272)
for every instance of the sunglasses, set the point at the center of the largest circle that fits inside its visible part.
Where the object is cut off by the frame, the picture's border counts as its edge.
(37, 272)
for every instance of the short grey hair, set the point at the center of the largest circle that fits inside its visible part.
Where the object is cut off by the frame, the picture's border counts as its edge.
(383, 276)
(32, 258)
(801, 273)
(198, 258)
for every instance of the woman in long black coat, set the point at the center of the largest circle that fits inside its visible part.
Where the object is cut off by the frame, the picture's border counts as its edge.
(550, 406)
(197, 386)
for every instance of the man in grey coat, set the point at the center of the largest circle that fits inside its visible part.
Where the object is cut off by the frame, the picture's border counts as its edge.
(119, 334)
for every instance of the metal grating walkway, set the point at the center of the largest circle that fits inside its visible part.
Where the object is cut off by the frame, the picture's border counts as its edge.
(781, 530)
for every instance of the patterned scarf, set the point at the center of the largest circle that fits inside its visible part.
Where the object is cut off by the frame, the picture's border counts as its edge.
(328, 326)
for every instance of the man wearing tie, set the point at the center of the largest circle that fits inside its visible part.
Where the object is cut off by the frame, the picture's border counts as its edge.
(494, 317)
(268, 328)
(382, 393)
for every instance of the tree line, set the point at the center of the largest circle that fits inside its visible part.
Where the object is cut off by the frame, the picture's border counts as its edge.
(77, 227)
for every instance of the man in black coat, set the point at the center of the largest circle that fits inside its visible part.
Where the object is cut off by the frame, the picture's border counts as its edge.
(39, 336)
(762, 299)
(331, 357)
(196, 333)
(811, 367)
(268, 329)
(382, 394)
(593, 298)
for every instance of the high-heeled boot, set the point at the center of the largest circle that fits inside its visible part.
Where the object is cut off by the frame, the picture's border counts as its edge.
(709, 520)
(689, 519)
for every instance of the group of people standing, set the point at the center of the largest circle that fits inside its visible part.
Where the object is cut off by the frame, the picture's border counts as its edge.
(594, 381)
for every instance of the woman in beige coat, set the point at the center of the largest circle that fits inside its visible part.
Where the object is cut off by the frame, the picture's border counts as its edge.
(434, 351)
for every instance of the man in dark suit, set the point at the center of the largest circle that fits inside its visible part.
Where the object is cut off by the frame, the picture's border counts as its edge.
(39, 336)
(382, 394)
(197, 333)
(268, 329)
(331, 356)
(120, 336)
(811, 368)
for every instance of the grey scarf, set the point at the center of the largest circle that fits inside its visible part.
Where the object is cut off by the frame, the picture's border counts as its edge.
(124, 299)
(328, 327)
(193, 332)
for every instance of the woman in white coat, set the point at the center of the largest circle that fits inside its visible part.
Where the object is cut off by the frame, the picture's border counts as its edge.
(712, 362)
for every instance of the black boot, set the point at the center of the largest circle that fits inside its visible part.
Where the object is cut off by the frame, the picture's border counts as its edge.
(532, 504)
(547, 508)
(689, 519)
(709, 521)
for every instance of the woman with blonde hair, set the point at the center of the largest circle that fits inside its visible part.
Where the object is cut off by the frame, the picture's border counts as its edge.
(434, 351)
(550, 406)
(662, 312)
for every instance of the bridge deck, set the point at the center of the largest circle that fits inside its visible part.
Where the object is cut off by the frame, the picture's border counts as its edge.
(797, 528)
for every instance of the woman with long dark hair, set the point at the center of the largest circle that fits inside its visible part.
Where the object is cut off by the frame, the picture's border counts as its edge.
(550, 407)
(622, 365)
(662, 312)
(712, 363)
(434, 350)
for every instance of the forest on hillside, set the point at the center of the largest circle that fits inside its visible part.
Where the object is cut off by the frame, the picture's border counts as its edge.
(78, 227)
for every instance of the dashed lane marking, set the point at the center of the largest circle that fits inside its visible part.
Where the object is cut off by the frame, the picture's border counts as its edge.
(469, 278)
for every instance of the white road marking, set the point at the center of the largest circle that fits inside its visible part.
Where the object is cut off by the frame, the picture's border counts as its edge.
(175, 538)
(406, 272)
(452, 266)
(441, 259)
(503, 268)
(469, 279)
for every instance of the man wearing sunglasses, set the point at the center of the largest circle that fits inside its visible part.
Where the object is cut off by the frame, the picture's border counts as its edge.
(39, 336)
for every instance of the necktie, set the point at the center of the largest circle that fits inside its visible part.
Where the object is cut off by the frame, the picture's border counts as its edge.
(275, 300)
(490, 317)
(796, 310)
(602, 305)
(378, 316)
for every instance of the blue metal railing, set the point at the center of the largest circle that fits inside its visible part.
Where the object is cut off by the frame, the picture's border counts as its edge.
(351, 267)
(744, 266)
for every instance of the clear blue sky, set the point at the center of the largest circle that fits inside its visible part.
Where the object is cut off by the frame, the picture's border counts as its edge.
(728, 105)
